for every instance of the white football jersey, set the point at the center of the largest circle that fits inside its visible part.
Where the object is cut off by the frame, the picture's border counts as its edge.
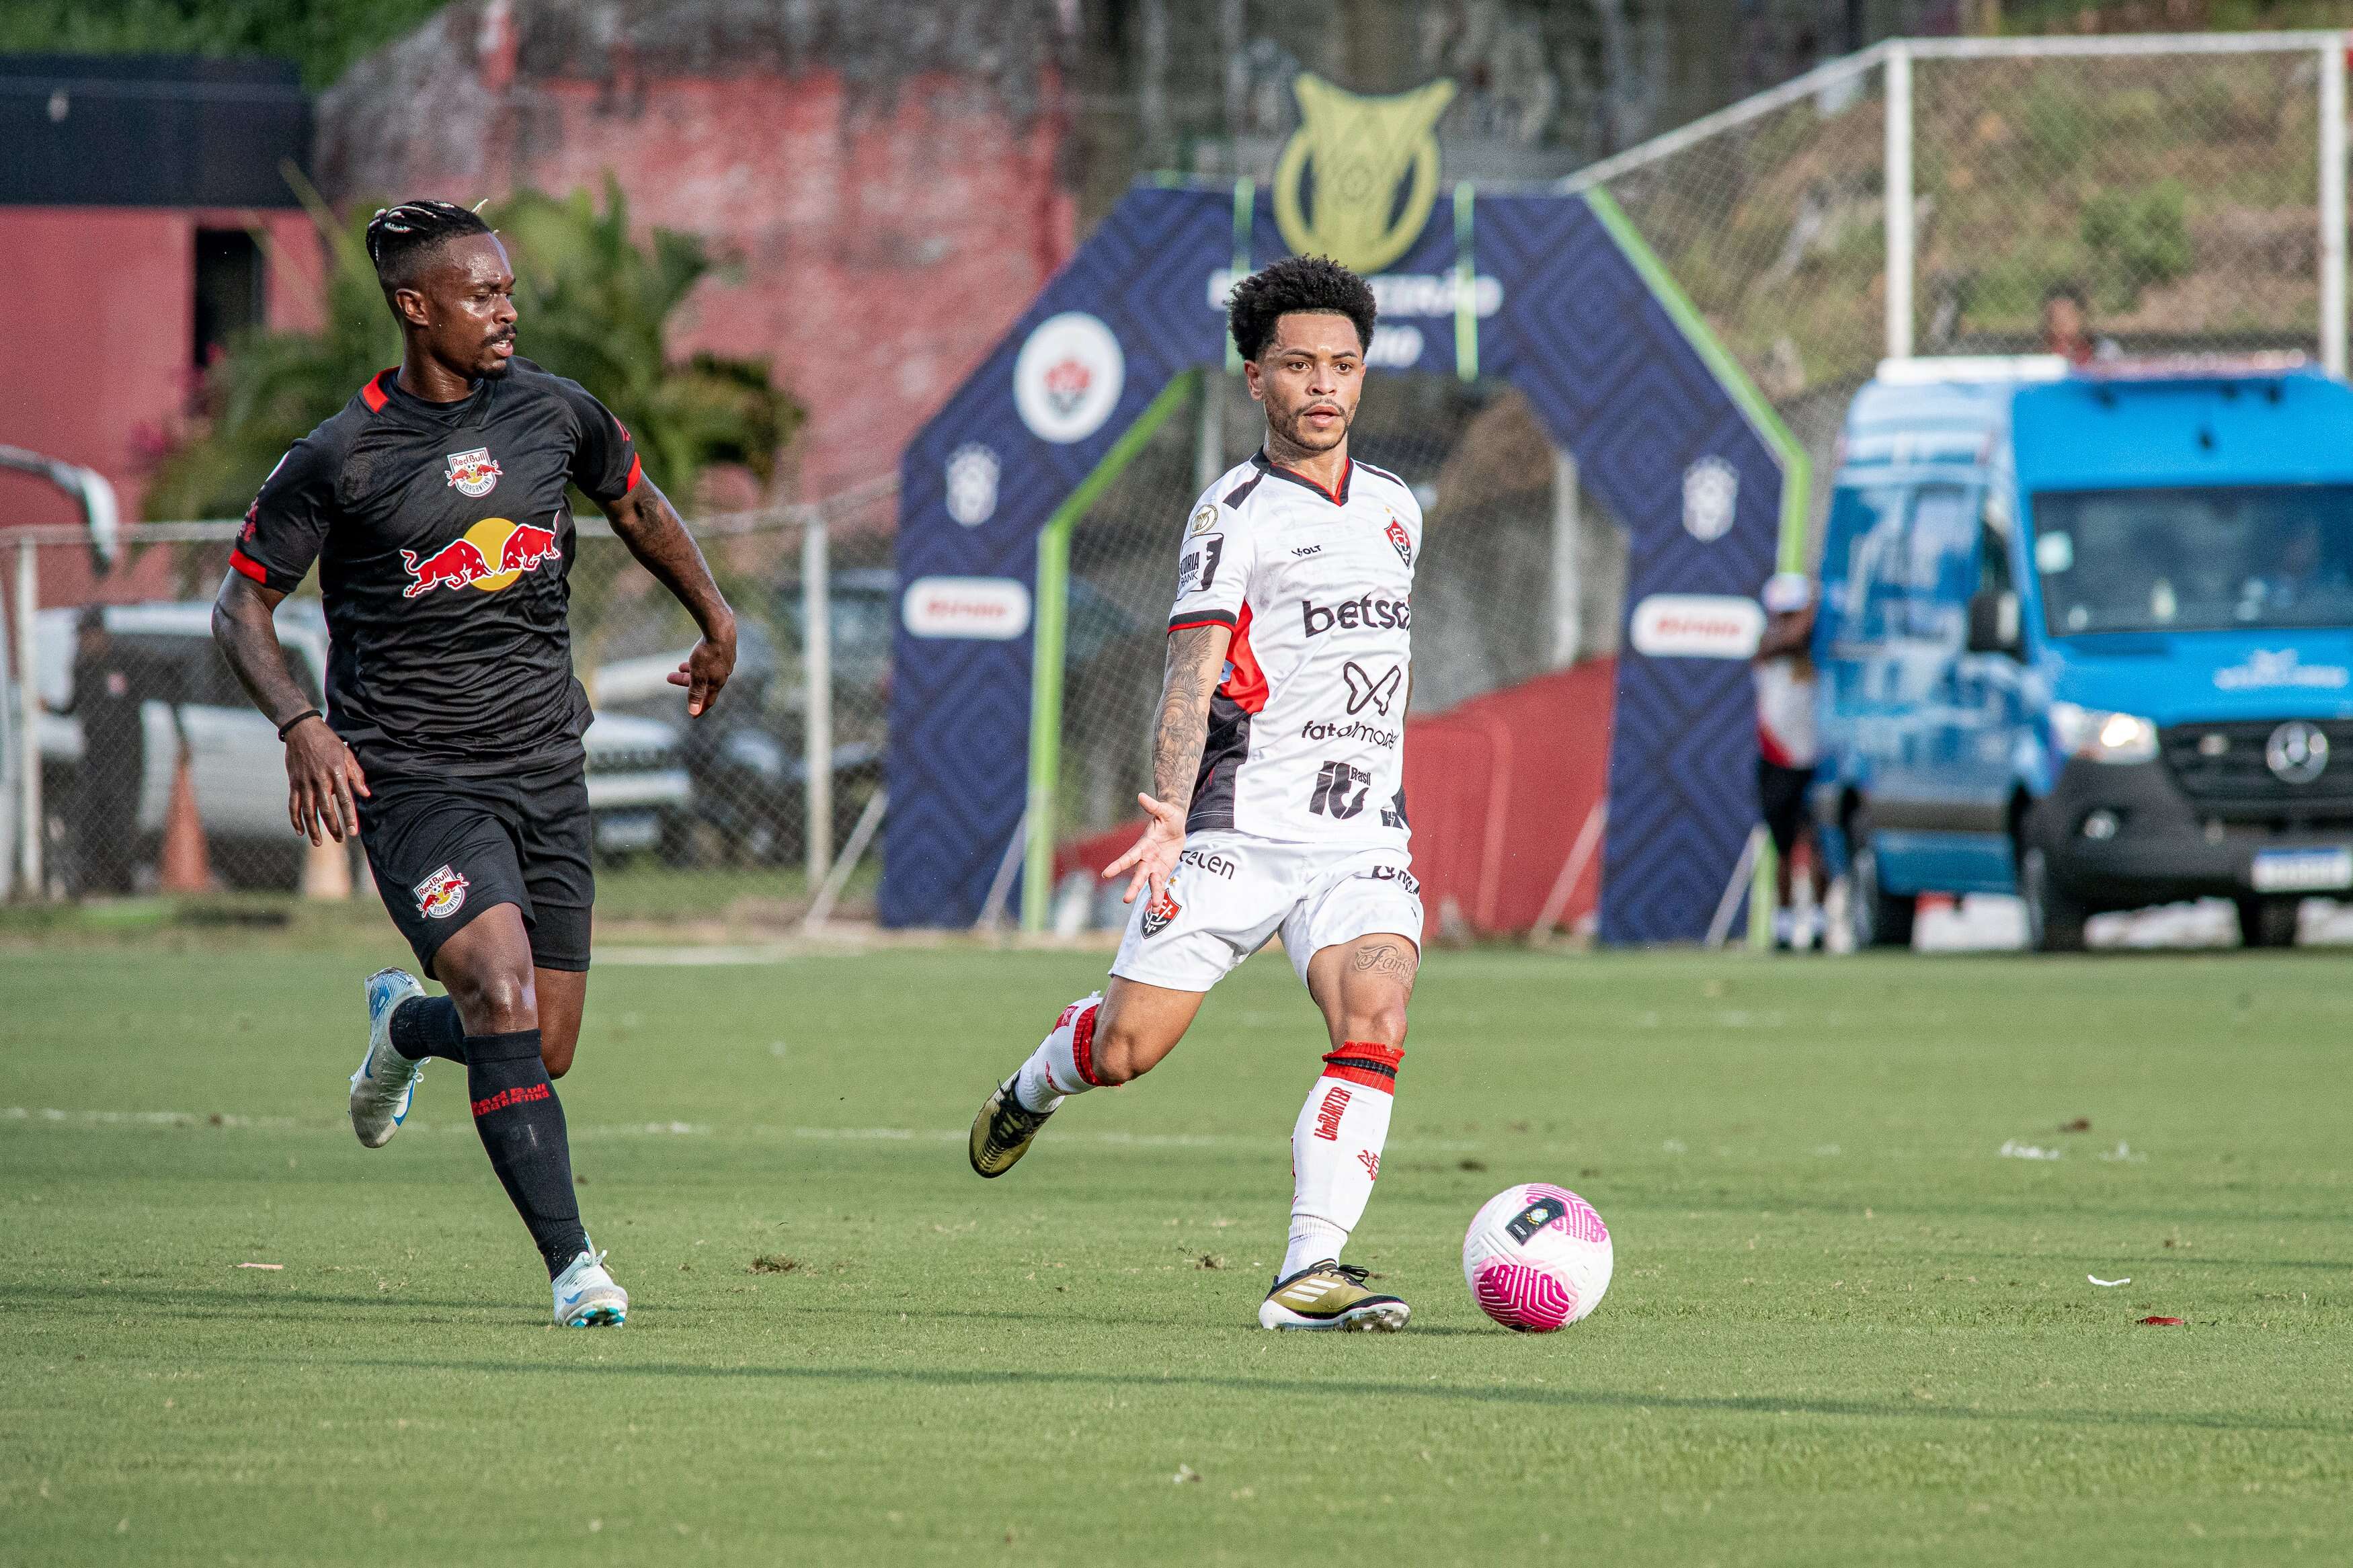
(1307, 729)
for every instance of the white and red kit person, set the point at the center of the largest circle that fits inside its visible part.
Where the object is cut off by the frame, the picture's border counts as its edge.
(1297, 827)
(1278, 799)
(1297, 821)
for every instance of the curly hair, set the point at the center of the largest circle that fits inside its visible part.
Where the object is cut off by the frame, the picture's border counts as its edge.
(1316, 284)
(400, 239)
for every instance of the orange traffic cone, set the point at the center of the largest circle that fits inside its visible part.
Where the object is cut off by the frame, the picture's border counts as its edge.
(187, 868)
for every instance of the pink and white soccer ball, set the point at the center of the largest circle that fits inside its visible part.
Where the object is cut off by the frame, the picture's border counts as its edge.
(1537, 1257)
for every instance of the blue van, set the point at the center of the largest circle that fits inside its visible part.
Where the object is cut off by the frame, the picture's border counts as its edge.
(2087, 636)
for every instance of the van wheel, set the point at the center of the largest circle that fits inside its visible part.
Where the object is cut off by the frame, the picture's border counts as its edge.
(1879, 918)
(2055, 920)
(2268, 922)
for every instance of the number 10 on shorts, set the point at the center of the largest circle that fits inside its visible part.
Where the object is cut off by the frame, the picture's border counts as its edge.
(1340, 791)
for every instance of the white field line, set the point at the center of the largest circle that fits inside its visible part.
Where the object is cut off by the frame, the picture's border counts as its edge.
(51, 1117)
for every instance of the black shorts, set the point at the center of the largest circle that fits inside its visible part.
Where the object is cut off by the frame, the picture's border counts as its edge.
(1781, 800)
(444, 849)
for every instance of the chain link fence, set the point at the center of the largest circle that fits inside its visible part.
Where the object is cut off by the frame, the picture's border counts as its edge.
(134, 762)
(2103, 197)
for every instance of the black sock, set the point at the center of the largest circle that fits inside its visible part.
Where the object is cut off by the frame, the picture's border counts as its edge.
(428, 1026)
(521, 1123)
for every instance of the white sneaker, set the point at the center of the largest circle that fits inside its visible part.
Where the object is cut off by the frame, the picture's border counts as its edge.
(387, 1080)
(586, 1297)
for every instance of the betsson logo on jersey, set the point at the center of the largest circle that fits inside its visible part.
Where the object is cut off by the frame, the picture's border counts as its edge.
(1352, 614)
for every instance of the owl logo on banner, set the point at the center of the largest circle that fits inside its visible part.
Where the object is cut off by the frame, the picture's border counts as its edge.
(971, 476)
(1711, 491)
(1374, 164)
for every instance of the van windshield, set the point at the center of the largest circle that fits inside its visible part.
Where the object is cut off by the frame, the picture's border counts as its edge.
(2206, 559)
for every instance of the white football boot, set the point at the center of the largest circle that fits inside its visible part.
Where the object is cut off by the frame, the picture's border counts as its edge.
(387, 1080)
(586, 1297)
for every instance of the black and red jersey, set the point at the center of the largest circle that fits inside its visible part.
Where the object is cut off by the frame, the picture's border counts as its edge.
(444, 541)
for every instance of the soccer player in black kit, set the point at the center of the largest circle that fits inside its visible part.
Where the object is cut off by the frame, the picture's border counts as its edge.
(435, 506)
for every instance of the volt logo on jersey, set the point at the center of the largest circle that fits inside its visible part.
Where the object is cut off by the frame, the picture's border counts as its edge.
(473, 473)
(490, 555)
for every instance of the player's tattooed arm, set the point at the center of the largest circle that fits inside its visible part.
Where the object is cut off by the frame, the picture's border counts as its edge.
(322, 774)
(649, 526)
(1197, 657)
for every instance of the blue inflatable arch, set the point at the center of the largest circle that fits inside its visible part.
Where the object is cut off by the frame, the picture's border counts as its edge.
(1556, 293)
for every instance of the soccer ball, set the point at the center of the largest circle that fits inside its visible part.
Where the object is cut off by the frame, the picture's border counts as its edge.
(1536, 1256)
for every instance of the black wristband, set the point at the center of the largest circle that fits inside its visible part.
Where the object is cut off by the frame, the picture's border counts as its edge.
(306, 713)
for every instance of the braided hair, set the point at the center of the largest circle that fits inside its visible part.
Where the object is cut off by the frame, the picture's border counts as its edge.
(401, 238)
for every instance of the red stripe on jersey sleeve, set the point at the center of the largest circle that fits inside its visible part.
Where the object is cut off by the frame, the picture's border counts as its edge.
(1201, 618)
(247, 566)
(636, 470)
(1246, 685)
(373, 394)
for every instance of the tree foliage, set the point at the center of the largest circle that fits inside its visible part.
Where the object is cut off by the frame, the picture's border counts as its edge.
(324, 36)
(594, 305)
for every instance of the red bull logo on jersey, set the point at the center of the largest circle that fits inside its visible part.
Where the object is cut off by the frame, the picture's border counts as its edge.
(440, 895)
(490, 555)
(473, 473)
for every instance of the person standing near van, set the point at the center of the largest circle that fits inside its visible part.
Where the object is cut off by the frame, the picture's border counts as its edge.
(1788, 746)
(111, 684)
(2067, 327)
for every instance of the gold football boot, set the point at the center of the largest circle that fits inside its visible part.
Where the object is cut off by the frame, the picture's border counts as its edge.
(1001, 1133)
(1331, 1295)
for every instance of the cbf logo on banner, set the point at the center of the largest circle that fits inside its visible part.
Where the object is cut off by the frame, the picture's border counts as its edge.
(1553, 293)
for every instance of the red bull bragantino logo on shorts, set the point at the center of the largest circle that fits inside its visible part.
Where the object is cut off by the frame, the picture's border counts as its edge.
(490, 555)
(473, 472)
(441, 895)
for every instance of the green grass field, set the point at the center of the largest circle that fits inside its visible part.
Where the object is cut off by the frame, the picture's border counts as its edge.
(1845, 1327)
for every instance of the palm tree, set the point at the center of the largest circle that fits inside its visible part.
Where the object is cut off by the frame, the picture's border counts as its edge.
(596, 306)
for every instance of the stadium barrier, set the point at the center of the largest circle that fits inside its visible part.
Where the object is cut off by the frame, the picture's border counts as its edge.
(690, 818)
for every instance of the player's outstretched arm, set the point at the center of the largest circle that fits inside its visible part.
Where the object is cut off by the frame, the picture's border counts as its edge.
(1197, 656)
(649, 526)
(321, 774)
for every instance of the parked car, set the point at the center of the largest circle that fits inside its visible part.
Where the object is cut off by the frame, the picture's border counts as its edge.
(637, 780)
(745, 762)
(2087, 636)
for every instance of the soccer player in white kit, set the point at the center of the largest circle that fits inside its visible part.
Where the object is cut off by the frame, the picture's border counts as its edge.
(1278, 799)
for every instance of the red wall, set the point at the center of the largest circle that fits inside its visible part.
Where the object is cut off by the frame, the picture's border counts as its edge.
(96, 308)
(881, 250)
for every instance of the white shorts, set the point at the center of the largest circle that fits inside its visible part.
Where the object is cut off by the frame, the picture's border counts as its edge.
(1232, 892)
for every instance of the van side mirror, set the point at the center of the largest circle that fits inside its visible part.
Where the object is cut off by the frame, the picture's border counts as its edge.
(1993, 622)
